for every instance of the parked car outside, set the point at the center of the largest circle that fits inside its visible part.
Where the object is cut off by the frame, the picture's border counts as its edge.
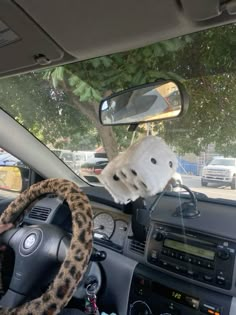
(82, 156)
(68, 157)
(93, 167)
(220, 171)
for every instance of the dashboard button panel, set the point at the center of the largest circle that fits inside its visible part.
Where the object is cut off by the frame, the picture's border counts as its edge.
(199, 257)
(165, 294)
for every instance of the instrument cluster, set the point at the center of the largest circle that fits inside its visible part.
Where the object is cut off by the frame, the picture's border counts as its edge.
(110, 225)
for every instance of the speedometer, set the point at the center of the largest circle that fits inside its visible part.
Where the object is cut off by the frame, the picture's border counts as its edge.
(104, 224)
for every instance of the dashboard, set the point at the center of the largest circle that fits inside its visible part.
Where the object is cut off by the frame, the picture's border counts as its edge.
(110, 224)
(187, 265)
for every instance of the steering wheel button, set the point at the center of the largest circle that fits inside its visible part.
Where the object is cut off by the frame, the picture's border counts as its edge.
(30, 241)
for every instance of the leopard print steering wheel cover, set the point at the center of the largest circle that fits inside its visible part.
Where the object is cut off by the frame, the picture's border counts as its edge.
(75, 264)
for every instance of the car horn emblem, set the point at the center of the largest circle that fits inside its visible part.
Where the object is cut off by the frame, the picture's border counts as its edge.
(30, 241)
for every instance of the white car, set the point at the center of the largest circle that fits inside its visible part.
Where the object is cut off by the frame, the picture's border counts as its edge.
(220, 171)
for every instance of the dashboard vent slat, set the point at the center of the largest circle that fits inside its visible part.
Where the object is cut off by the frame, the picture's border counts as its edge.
(137, 247)
(39, 213)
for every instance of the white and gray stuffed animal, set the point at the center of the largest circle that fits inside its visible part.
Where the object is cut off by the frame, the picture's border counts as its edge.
(144, 169)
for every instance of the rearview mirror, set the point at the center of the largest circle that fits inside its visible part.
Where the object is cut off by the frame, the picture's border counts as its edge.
(160, 100)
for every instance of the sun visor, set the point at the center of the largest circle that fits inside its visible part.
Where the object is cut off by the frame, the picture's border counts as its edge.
(23, 45)
(95, 28)
(88, 29)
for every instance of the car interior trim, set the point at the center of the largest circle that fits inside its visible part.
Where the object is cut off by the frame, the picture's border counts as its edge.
(121, 268)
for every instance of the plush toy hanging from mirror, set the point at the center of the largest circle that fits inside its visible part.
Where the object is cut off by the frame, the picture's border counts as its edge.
(143, 170)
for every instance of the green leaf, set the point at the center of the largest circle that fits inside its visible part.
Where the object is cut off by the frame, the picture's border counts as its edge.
(86, 96)
(47, 75)
(106, 61)
(153, 74)
(57, 75)
(118, 58)
(157, 51)
(73, 80)
(96, 95)
(132, 68)
(137, 78)
(96, 62)
(175, 76)
(54, 81)
(188, 39)
(60, 73)
(112, 79)
(80, 88)
(147, 51)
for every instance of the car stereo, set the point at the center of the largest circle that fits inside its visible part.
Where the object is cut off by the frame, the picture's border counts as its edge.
(204, 258)
(161, 294)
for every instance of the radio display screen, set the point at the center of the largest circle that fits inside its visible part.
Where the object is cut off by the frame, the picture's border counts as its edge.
(190, 249)
(176, 295)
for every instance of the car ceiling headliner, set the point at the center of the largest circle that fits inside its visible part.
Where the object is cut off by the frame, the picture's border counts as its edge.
(64, 31)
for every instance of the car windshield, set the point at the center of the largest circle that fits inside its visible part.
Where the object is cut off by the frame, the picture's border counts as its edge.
(60, 107)
(225, 162)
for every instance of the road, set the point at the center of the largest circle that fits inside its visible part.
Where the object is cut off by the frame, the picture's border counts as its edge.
(212, 190)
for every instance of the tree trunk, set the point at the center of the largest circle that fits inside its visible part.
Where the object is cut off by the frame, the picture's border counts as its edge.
(106, 133)
(108, 140)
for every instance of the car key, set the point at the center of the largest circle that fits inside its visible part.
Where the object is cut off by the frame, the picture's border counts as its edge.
(91, 300)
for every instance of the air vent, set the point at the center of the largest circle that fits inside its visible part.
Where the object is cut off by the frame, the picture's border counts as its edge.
(137, 247)
(39, 213)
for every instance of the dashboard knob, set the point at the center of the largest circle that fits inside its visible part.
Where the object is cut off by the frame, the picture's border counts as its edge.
(98, 255)
(223, 254)
(159, 236)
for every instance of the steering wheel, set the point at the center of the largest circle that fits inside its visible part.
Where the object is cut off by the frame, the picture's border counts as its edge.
(37, 248)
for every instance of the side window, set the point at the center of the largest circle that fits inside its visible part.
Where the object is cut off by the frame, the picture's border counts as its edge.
(14, 175)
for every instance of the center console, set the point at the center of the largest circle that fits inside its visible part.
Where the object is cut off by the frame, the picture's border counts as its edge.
(189, 273)
(200, 257)
(159, 294)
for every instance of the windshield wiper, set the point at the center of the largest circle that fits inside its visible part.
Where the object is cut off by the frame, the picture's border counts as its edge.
(200, 195)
